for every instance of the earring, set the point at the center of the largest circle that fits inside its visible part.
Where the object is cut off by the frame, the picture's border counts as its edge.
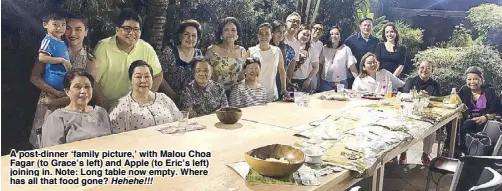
(236, 37)
(221, 37)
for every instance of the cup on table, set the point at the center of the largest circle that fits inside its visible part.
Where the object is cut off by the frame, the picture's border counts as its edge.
(298, 98)
(340, 87)
(183, 122)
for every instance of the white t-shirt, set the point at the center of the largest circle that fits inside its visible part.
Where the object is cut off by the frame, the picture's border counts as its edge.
(317, 45)
(295, 44)
(336, 62)
(305, 68)
(369, 85)
(269, 67)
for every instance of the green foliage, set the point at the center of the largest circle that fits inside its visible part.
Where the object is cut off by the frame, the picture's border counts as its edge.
(461, 37)
(338, 13)
(409, 37)
(451, 63)
(486, 17)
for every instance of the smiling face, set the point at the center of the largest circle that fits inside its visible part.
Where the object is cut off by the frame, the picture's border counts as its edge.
(189, 37)
(80, 90)
(229, 32)
(474, 81)
(425, 70)
(317, 31)
(293, 24)
(334, 35)
(304, 36)
(129, 32)
(141, 80)
(366, 27)
(370, 65)
(75, 32)
(264, 35)
(390, 33)
(278, 35)
(203, 72)
(252, 72)
(55, 28)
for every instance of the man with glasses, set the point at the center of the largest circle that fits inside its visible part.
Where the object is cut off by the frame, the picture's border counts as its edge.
(362, 42)
(115, 54)
(316, 44)
(293, 22)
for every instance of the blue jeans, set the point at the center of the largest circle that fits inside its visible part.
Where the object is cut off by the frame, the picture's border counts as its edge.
(327, 86)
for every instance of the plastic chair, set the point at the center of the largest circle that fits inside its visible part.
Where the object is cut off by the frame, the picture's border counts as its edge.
(470, 169)
(492, 130)
(489, 180)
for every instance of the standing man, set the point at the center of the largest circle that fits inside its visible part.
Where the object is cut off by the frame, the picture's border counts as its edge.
(361, 43)
(316, 44)
(115, 54)
(293, 22)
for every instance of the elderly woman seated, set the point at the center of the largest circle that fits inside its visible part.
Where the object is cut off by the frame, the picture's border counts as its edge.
(250, 92)
(481, 101)
(77, 121)
(202, 96)
(424, 84)
(372, 74)
(142, 107)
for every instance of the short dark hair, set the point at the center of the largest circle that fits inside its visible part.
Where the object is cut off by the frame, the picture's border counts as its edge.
(396, 40)
(365, 19)
(223, 22)
(128, 14)
(328, 38)
(188, 23)
(53, 16)
(197, 59)
(74, 73)
(264, 25)
(250, 61)
(138, 63)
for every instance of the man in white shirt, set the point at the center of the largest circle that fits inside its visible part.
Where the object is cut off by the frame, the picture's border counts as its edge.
(293, 22)
(316, 44)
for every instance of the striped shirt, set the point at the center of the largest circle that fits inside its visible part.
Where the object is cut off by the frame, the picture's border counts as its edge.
(242, 96)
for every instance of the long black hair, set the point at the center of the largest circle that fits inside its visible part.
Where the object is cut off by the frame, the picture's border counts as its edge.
(396, 40)
(219, 29)
(328, 39)
(276, 25)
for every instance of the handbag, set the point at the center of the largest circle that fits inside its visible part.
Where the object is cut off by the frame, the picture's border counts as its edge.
(478, 144)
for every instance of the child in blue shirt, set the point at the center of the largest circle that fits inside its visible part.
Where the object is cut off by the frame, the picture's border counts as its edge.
(54, 52)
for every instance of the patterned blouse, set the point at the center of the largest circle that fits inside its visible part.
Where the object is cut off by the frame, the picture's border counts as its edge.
(226, 70)
(177, 72)
(203, 101)
(242, 96)
(80, 59)
(290, 55)
(128, 115)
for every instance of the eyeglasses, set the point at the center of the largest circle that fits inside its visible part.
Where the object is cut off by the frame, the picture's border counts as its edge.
(128, 29)
(318, 28)
(293, 21)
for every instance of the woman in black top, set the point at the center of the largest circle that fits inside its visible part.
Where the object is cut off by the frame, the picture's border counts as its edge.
(424, 84)
(390, 53)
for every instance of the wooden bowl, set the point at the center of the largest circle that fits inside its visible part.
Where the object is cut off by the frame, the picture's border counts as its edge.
(229, 115)
(256, 159)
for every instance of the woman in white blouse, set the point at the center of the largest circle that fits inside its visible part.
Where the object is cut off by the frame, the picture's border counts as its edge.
(141, 107)
(372, 77)
(307, 67)
(336, 59)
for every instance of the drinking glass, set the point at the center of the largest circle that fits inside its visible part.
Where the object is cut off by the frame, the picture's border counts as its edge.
(183, 122)
(339, 88)
(298, 98)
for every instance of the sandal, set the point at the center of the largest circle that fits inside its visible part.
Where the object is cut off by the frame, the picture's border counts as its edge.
(402, 158)
(426, 159)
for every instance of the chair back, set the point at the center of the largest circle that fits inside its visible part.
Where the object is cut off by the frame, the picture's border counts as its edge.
(492, 130)
(488, 181)
(497, 150)
(470, 169)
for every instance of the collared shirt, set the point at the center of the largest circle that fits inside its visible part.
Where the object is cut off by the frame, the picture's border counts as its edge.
(203, 100)
(177, 72)
(371, 85)
(129, 115)
(360, 46)
(114, 66)
(317, 45)
(337, 61)
(243, 96)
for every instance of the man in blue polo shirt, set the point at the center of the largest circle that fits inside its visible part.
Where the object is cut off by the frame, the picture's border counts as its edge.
(362, 42)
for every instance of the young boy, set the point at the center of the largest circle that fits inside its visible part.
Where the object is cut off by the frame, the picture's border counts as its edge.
(54, 54)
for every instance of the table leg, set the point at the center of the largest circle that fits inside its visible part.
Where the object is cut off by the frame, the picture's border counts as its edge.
(438, 138)
(377, 184)
(453, 136)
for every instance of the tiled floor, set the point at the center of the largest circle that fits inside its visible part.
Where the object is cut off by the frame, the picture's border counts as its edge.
(410, 177)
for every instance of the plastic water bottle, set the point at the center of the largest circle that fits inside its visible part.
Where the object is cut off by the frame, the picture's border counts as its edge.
(388, 94)
(384, 88)
(337, 83)
(453, 96)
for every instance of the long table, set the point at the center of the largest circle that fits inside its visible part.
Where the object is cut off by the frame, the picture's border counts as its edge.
(259, 126)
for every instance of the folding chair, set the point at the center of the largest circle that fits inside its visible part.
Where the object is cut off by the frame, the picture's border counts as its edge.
(470, 169)
(489, 180)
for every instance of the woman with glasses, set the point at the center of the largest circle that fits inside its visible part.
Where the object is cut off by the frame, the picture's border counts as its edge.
(250, 92)
(271, 60)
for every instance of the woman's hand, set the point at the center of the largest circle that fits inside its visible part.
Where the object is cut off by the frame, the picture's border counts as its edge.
(306, 84)
(480, 119)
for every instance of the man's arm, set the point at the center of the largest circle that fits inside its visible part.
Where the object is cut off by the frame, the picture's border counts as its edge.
(166, 89)
(157, 80)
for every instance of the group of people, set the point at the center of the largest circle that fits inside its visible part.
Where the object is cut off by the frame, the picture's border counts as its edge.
(131, 87)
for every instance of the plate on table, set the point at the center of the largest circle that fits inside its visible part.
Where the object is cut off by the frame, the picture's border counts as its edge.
(372, 97)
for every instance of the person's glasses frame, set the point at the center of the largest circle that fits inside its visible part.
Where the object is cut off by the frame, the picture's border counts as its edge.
(129, 29)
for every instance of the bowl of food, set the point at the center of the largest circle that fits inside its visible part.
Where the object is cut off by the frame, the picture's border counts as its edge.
(275, 160)
(229, 115)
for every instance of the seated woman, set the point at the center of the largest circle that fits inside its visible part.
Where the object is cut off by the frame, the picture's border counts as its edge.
(372, 74)
(77, 121)
(142, 107)
(202, 96)
(481, 101)
(249, 93)
(424, 84)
